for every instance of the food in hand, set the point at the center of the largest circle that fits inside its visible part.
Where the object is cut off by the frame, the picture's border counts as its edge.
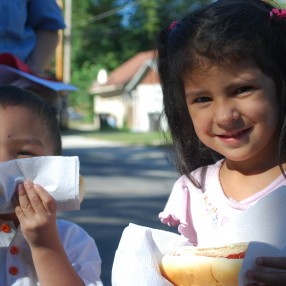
(216, 266)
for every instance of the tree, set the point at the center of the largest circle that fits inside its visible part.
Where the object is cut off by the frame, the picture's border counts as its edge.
(105, 33)
(108, 32)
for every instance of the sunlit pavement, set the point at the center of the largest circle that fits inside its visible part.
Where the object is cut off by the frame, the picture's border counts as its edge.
(123, 184)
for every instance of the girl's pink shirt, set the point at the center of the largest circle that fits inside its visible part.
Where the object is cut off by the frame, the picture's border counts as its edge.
(199, 213)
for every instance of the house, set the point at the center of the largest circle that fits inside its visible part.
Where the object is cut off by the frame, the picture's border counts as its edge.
(130, 96)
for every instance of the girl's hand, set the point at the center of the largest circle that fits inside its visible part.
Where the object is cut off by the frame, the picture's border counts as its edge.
(269, 278)
(36, 212)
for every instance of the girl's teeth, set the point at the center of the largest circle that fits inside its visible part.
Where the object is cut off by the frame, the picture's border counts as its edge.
(232, 135)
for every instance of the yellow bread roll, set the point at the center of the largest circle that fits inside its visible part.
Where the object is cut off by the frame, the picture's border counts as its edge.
(81, 188)
(191, 266)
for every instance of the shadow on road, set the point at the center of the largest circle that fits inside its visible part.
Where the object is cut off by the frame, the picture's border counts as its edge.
(123, 185)
(118, 160)
(105, 217)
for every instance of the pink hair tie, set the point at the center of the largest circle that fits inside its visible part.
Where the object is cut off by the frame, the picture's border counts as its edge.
(280, 13)
(173, 25)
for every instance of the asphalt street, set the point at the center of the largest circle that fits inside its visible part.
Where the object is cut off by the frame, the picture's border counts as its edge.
(123, 184)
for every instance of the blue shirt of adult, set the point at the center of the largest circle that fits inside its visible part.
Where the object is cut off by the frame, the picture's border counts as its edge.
(19, 21)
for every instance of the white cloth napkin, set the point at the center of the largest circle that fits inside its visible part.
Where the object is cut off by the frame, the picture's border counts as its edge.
(59, 175)
(139, 253)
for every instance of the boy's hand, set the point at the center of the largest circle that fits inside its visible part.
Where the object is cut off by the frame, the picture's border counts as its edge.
(36, 211)
(269, 278)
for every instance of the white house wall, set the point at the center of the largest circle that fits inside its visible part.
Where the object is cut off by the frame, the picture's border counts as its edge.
(148, 100)
(111, 105)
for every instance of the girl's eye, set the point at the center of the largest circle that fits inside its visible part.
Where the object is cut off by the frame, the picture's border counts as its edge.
(202, 99)
(243, 89)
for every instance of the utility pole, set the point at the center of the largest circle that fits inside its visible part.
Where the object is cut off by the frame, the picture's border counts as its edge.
(63, 50)
(67, 42)
(59, 52)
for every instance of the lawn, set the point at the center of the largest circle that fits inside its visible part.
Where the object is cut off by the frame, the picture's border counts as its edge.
(155, 138)
(133, 138)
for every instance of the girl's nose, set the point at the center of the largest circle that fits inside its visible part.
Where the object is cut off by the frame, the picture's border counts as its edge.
(226, 113)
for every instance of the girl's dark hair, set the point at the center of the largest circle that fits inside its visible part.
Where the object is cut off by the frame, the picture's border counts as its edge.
(15, 96)
(221, 33)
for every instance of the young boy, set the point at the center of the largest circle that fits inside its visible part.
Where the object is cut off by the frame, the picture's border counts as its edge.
(35, 247)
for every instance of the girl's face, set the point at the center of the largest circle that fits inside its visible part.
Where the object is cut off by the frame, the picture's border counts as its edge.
(234, 110)
(22, 134)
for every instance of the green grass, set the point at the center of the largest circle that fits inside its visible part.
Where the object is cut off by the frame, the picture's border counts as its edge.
(149, 138)
(131, 138)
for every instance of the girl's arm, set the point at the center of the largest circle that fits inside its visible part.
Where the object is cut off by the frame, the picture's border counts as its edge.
(36, 211)
(269, 278)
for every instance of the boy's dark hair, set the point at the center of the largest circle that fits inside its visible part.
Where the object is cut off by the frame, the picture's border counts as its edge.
(15, 96)
(221, 33)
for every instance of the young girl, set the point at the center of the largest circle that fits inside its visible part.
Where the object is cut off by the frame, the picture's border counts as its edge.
(223, 76)
(35, 247)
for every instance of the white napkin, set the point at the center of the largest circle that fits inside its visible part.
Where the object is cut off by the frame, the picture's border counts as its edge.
(258, 249)
(264, 221)
(59, 175)
(141, 249)
(139, 253)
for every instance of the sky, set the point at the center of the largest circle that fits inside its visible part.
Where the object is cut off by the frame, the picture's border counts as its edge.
(282, 3)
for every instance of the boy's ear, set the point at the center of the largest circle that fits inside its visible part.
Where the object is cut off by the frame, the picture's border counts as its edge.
(81, 188)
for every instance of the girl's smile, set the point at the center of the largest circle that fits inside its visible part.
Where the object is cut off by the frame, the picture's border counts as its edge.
(234, 136)
(234, 110)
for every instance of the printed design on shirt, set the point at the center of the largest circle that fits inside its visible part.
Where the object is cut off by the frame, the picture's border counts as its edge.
(217, 219)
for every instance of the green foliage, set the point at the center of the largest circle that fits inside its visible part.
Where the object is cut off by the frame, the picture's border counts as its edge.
(81, 99)
(105, 33)
(108, 32)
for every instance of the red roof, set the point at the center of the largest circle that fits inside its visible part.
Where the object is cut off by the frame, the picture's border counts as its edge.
(127, 70)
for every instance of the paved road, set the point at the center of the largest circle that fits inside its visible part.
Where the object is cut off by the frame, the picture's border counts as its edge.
(123, 185)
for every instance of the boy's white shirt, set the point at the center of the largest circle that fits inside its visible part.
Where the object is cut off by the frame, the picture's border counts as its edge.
(79, 246)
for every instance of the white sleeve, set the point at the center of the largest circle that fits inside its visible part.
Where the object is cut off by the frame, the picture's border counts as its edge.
(81, 251)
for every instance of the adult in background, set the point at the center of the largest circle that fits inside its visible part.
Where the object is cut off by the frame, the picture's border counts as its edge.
(29, 31)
